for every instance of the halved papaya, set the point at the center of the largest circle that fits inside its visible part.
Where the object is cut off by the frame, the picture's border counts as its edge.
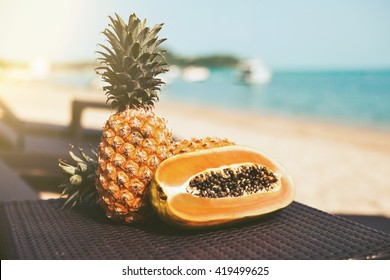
(219, 186)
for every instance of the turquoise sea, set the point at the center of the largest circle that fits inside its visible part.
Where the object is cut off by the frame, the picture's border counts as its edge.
(360, 98)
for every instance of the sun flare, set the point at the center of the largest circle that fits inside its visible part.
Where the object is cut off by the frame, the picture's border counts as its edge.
(46, 27)
(39, 68)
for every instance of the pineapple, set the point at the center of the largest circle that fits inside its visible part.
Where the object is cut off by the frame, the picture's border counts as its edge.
(80, 177)
(134, 140)
(195, 144)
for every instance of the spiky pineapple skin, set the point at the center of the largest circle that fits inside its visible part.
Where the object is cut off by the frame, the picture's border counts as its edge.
(134, 142)
(79, 183)
(196, 144)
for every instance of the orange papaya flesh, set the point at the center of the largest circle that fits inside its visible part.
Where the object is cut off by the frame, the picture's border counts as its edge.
(180, 195)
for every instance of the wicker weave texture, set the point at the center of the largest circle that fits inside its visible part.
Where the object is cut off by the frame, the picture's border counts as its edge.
(42, 230)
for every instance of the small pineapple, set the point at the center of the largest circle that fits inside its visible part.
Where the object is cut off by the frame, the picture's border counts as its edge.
(134, 140)
(195, 144)
(80, 177)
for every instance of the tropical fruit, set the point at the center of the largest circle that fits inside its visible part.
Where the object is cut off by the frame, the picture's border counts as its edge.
(79, 183)
(134, 139)
(219, 186)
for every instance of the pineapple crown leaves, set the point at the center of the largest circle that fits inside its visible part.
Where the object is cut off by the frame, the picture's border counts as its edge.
(131, 63)
(79, 185)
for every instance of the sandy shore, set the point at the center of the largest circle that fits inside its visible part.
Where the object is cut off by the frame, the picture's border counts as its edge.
(337, 169)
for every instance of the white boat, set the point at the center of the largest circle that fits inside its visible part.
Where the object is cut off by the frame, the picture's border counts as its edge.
(254, 71)
(195, 74)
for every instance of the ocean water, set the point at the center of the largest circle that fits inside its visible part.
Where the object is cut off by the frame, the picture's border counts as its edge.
(360, 98)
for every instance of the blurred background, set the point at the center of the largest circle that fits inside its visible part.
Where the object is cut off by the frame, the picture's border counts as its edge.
(308, 82)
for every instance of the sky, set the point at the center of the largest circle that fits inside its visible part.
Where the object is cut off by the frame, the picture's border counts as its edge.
(322, 34)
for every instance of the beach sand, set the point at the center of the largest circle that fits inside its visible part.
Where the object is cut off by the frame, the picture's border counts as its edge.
(336, 168)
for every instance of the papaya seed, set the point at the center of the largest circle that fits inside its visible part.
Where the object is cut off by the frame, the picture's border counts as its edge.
(232, 181)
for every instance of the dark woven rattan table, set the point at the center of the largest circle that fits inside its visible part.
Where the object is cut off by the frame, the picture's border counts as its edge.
(42, 230)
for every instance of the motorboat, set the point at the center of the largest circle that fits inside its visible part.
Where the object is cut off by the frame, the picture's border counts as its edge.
(254, 71)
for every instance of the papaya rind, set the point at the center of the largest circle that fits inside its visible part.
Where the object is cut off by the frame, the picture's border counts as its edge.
(183, 210)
